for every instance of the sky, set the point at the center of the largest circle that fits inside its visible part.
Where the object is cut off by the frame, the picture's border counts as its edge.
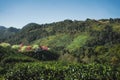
(18, 13)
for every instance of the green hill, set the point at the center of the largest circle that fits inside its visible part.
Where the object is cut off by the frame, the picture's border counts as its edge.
(85, 50)
(80, 39)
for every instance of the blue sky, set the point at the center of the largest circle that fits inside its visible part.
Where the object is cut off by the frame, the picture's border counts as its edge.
(18, 13)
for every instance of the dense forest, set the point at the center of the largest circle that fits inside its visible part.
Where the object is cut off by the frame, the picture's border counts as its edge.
(65, 50)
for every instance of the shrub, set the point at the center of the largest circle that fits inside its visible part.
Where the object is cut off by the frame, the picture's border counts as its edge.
(15, 59)
(61, 71)
(5, 45)
(1, 69)
(42, 55)
(68, 58)
(8, 56)
(35, 47)
(23, 48)
(16, 47)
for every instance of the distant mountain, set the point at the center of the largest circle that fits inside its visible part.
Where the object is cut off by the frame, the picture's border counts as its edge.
(28, 33)
(30, 26)
(33, 31)
(2, 27)
(6, 33)
(12, 29)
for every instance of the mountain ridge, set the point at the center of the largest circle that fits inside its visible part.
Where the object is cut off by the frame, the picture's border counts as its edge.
(2, 27)
(33, 31)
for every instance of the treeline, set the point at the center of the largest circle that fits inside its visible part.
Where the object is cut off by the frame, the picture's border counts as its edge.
(33, 31)
(85, 41)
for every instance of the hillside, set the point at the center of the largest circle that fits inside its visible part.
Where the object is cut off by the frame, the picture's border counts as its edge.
(33, 31)
(7, 33)
(85, 50)
(2, 27)
(81, 39)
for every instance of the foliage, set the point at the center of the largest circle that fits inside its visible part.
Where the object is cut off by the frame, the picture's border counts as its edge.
(42, 55)
(61, 71)
(35, 47)
(78, 42)
(68, 58)
(5, 44)
(15, 47)
(8, 55)
(89, 41)
(23, 48)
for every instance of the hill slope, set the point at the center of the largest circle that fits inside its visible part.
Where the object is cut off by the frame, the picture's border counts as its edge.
(6, 33)
(82, 39)
(96, 42)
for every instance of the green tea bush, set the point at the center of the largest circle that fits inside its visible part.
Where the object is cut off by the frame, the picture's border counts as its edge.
(16, 59)
(35, 47)
(42, 55)
(9, 55)
(62, 71)
(16, 47)
(5, 45)
(1, 69)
